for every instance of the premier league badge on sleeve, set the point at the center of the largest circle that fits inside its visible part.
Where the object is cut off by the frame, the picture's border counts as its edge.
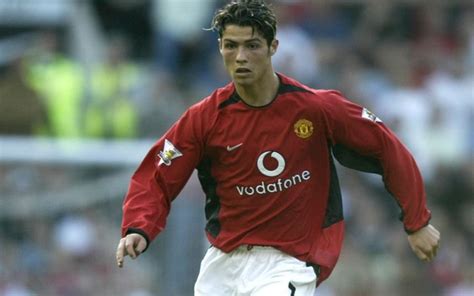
(367, 114)
(169, 153)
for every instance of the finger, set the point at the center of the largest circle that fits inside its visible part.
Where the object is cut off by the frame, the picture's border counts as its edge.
(434, 247)
(420, 254)
(141, 246)
(120, 252)
(428, 252)
(435, 250)
(138, 252)
(130, 247)
(434, 231)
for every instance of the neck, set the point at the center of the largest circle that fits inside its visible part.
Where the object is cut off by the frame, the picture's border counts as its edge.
(260, 93)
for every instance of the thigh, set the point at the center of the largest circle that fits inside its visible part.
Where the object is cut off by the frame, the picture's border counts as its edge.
(214, 277)
(292, 279)
(286, 289)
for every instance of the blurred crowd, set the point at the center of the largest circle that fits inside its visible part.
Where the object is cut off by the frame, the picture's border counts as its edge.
(144, 62)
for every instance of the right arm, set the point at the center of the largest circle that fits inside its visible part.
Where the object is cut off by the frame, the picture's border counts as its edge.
(157, 181)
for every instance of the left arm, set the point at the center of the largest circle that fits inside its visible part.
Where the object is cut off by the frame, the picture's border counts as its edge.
(361, 141)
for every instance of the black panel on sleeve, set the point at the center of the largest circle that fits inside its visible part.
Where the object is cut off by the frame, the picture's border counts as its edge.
(353, 160)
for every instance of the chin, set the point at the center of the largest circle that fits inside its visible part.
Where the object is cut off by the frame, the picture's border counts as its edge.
(243, 80)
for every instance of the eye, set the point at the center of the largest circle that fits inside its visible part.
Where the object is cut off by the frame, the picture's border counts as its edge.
(229, 46)
(253, 45)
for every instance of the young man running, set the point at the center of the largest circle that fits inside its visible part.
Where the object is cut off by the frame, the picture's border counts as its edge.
(263, 146)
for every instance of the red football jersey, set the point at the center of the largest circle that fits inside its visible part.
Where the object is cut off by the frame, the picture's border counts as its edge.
(268, 172)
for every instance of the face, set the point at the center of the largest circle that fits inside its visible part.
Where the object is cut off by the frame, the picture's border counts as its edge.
(246, 54)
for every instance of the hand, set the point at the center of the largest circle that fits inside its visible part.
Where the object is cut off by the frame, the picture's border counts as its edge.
(425, 242)
(133, 244)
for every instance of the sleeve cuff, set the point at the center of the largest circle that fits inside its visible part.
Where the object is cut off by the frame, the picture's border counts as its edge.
(411, 231)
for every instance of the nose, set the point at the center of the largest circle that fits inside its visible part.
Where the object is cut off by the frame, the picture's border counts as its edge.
(241, 55)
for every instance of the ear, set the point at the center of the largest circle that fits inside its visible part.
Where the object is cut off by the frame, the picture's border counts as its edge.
(274, 46)
(219, 42)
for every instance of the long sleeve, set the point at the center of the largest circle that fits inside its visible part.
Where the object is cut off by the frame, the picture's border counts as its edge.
(361, 141)
(160, 177)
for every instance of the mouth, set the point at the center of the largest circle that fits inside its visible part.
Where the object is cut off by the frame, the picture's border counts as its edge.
(242, 71)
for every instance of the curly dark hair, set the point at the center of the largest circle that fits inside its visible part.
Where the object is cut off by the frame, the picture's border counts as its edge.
(254, 13)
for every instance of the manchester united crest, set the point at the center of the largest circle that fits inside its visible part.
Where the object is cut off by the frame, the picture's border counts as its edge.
(303, 128)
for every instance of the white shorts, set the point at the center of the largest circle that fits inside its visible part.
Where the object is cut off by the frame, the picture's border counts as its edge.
(254, 271)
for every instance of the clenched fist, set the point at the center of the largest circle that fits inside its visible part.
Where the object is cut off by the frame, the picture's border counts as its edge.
(425, 242)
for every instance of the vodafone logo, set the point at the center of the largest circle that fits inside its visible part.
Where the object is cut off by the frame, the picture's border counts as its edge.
(268, 172)
(272, 164)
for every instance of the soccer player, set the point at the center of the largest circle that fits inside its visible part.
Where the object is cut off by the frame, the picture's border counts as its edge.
(263, 146)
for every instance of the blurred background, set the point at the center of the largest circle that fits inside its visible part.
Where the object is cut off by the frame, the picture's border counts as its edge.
(86, 86)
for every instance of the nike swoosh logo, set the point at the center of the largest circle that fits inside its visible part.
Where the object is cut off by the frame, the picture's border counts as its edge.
(231, 148)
